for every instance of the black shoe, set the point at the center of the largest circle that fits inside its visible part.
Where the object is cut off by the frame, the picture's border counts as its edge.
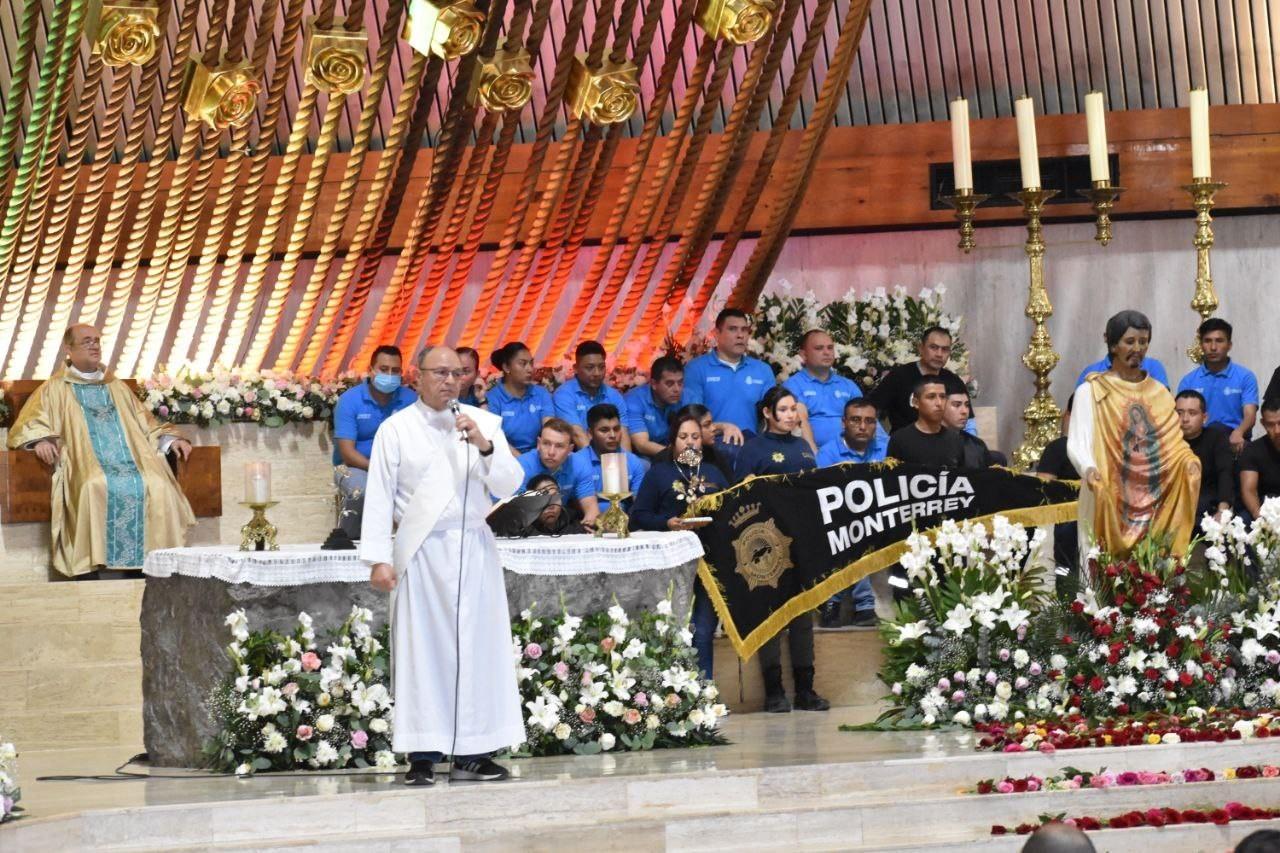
(865, 619)
(478, 770)
(776, 703)
(806, 698)
(421, 774)
(829, 616)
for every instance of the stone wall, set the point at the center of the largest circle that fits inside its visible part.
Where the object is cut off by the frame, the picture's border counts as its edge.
(301, 480)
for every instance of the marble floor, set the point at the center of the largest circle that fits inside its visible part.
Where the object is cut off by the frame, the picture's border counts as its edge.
(758, 741)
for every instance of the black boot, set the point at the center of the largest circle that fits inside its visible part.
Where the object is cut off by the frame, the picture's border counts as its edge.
(775, 698)
(806, 698)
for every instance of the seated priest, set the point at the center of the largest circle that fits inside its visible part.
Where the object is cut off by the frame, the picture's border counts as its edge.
(114, 498)
(360, 411)
(552, 456)
(605, 424)
(587, 388)
(1211, 444)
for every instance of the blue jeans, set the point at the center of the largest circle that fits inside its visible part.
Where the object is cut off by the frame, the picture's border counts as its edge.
(704, 628)
(864, 598)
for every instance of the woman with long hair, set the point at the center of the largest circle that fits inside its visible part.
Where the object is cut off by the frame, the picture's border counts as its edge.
(521, 403)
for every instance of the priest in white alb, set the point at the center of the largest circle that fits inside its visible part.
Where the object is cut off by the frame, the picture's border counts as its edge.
(433, 468)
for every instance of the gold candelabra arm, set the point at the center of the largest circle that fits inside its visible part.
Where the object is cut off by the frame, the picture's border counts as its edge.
(258, 534)
(1205, 300)
(1041, 415)
(965, 202)
(1103, 195)
(614, 520)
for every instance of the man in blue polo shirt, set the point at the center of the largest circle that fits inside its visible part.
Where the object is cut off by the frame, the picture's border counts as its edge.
(575, 397)
(728, 381)
(553, 456)
(861, 440)
(357, 416)
(1152, 366)
(605, 423)
(821, 391)
(1230, 390)
(650, 406)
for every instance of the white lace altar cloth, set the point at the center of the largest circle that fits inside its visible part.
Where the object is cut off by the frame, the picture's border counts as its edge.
(293, 565)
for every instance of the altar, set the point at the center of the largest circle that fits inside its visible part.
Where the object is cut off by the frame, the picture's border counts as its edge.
(190, 591)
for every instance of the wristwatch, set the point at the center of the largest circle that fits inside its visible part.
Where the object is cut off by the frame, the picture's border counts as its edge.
(488, 452)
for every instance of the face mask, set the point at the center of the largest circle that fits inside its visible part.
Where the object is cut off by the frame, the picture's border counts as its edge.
(386, 382)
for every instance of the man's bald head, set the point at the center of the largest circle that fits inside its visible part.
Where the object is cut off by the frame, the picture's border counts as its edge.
(1058, 838)
(439, 376)
(83, 346)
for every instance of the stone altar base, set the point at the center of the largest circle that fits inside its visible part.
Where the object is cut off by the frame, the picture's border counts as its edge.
(787, 782)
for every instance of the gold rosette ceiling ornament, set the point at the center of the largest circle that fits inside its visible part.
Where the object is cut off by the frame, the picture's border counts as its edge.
(222, 95)
(503, 83)
(605, 96)
(335, 57)
(124, 32)
(738, 21)
(446, 30)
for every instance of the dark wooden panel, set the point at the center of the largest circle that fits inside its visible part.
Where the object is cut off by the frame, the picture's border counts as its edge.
(25, 483)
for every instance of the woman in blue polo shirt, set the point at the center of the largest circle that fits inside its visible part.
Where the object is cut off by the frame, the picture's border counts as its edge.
(521, 404)
(778, 451)
(681, 474)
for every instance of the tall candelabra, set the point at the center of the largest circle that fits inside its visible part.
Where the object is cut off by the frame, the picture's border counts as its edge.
(1205, 301)
(965, 202)
(1041, 415)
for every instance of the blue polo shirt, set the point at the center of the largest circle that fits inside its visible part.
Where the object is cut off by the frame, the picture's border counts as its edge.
(643, 414)
(572, 403)
(358, 416)
(731, 392)
(1152, 366)
(566, 478)
(590, 481)
(824, 400)
(1226, 392)
(521, 416)
(837, 450)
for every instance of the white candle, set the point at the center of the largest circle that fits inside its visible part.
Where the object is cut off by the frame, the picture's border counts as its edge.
(1025, 112)
(613, 473)
(960, 153)
(1095, 113)
(1200, 135)
(257, 482)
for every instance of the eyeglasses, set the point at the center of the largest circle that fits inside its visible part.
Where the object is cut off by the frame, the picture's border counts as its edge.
(443, 373)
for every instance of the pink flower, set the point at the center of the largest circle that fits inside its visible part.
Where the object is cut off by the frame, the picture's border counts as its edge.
(1273, 657)
(1102, 780)
(1146, 777)
(305, 732)
(641, 700)
(197, 393)
(586, 679)
(1033, 784)
(631, 716)
(992, 678)
(1128, 778)
(1034, 669)
(1003, 654)
(588, 715)
(607, 644)
(281, 385)
(561, 669)
(1047, 748)
(944, 684)
(1005, 787)
(1270, 771)
(359, 739)
(290, 689)
(163, 411)
(310, 661)
(250, 396)
(1014, 747)
(957, 697)
(533, 651)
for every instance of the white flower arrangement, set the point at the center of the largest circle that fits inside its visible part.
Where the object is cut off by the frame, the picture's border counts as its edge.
(284, 707)
(872, 333)
(611, 681)
(10, 793)
(269, 398)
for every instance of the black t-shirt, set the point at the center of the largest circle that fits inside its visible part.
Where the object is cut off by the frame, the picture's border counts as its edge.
(944, 449)
(1273, 387)
(892, 394)
(1261, 456)
(1054, 460)
(1217, 466)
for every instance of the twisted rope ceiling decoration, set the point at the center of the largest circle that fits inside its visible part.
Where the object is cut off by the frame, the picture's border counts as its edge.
(148, 191)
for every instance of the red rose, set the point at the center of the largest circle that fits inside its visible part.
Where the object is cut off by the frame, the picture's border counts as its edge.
(1194, 816)
(1185, 679)
(1247, 772)
(1078, 679)
(1210, 677)
(1113, 658)
(1089, 823)
(1066, 640)
(985, 786)
(1102, 629)
(1120, 599)
(1096, 683)
(1026, 829)
(997, 829)
(1262, 731)
(1077, 607)
(1151, 674)
(1155, 817)
(1220, 817)
(1122, 708)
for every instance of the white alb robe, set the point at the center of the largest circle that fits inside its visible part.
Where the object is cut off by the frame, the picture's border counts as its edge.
(418, 472)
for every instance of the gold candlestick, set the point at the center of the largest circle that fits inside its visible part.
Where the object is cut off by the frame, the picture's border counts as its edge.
(1205, 301)
(1103, 195)
(965, 201)
(258, 533)
(1041, 415)
(614, 519)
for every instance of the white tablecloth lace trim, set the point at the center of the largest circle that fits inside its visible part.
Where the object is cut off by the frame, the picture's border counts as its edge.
(302, 564)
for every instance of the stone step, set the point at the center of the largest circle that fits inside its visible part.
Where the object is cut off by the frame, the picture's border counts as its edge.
(854, 805)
